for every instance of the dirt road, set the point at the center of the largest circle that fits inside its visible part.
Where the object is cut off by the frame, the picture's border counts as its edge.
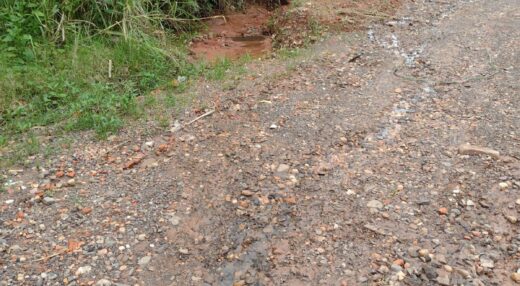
(347, 171)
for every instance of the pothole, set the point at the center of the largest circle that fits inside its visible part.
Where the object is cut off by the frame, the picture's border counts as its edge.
(235, 35)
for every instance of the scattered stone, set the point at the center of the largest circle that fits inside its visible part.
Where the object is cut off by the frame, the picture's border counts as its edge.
(503, 185)
(282, 168)
(423, 252)
(396, 268)
(456, 212)
(413, 251)
(443, 211)
(423, 201)
(399, 262)
(516, 277)
(273, 126)
(375, 229)
(103, 282)
(176, 126)
(133, 162)
(375, 204)
(187, 138)
(383, 269)
(463, 273)
(14, 172)
(290, 200)
(486, 262)
(52, 275)
(511, 219)
(86, 210)
(184, 251)
(175, 220)
(71, 182)
(468, 149)
(83, 270)
(144, 261)
(401, 275)
(430, 272)
(247, 193)
(9, 202)
(268, 229)
(49, 200)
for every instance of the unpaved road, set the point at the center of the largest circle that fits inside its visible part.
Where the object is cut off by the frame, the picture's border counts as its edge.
(345, 172)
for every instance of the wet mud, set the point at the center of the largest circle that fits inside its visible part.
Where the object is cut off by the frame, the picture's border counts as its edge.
(235, 35)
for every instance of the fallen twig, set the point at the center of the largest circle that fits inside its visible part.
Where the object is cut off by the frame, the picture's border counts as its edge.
(200, 117)
(50, 256)
(194, 120)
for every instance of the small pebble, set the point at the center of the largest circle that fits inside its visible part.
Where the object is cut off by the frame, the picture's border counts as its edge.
(83, 270)
(423, 252)
(516, 277)
(144, 261)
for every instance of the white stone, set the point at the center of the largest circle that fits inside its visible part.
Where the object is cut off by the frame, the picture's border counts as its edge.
(375, 204)
(144, 261)
(83, 270)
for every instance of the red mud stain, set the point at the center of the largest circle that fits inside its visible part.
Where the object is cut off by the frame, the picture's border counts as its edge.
(234, 35)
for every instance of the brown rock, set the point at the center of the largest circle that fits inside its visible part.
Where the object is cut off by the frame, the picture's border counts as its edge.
(443, 211)
(86, 210)
(399, 262)
(20, 215)
(247, 193)
(134, 161)
(516, 277)
(290, 200)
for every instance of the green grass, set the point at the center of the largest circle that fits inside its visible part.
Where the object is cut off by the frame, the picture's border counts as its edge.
(55, 78)
(71, 86)
(68, 89)
(81, 65)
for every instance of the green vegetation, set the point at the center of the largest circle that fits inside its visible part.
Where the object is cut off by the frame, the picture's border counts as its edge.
(81, 64)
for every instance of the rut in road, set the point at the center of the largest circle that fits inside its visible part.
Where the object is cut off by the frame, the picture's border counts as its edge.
(344, 175)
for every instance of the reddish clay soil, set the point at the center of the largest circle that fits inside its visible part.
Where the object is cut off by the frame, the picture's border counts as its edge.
(235, 35)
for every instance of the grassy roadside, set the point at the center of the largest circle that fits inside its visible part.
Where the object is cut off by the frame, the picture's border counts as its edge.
(101, 82)
(79, 66)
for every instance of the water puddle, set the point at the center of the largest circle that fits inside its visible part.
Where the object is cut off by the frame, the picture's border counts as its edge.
(235, 35)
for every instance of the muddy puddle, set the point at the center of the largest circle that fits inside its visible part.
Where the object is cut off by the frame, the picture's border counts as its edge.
(235, 35)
